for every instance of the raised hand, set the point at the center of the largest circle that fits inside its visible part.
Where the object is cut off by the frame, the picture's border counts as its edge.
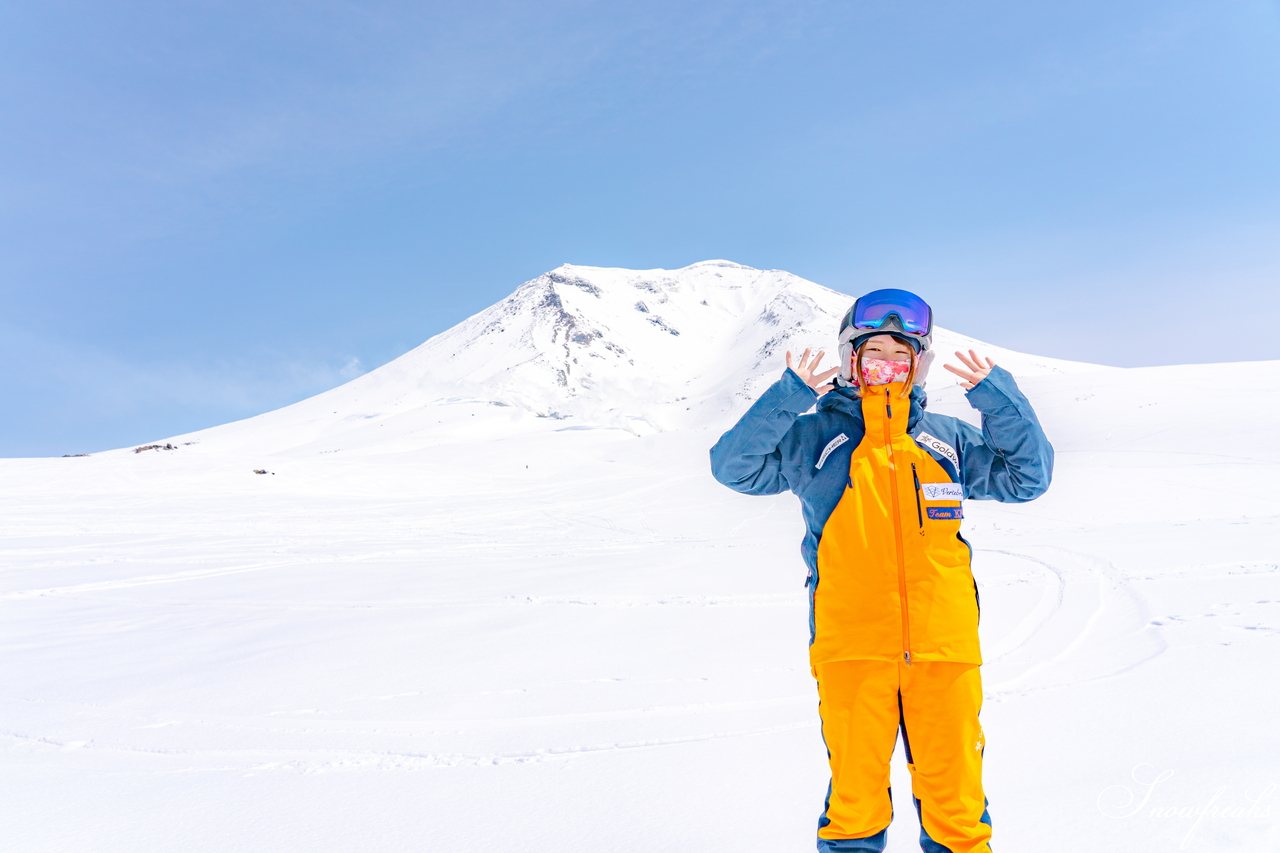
(976, 371)
(807, 371)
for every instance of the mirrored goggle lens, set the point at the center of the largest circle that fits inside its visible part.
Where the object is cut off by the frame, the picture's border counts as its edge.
(876, 307)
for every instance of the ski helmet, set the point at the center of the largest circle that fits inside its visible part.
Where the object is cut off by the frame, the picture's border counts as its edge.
(885, 312)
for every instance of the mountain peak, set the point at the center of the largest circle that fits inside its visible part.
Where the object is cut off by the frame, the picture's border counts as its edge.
(643, 350)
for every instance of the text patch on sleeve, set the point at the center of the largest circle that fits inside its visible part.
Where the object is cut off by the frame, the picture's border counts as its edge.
(831, 445)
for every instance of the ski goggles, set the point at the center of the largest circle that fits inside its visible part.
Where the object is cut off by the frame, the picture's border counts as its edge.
(880, 307)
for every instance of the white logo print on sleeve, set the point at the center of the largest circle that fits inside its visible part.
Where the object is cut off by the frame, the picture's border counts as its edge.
(937, 445)
(831, 445)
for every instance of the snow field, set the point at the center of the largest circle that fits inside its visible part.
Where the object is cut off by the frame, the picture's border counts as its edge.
(443, 624)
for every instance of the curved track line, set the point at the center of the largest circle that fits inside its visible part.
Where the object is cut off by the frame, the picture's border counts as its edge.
(1098, 628)
(322, 760)
(147, 580)
(1049, 603)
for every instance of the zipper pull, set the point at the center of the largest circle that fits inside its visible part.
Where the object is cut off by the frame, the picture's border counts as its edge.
(888, 407)
(906, 656)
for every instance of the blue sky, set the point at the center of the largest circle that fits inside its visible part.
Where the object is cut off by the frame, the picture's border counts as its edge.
(210, 210)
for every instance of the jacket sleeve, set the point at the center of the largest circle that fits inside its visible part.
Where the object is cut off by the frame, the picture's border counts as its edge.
(1011, 459)
(747, 458)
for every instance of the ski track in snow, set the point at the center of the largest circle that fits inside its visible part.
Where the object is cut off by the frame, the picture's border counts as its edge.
(318, 760)
(1090, 623)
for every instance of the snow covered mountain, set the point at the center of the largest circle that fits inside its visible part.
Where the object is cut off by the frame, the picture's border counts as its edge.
(642, 350)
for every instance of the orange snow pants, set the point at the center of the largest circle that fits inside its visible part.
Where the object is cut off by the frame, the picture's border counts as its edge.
(863, 704)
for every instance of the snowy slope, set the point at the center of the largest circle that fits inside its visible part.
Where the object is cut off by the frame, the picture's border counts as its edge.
(442, 624)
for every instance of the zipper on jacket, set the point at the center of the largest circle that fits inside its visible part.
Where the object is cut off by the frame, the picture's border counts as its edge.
(897, 532)
(919, 512)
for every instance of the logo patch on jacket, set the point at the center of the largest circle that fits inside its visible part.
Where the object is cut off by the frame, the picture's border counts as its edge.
(942, 491)
(951, 513)
(940, 447)
(831, 445)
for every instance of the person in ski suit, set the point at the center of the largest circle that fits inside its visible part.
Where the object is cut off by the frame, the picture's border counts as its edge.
(893, 606)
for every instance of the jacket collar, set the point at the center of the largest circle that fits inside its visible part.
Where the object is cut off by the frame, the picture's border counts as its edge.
(846, 401)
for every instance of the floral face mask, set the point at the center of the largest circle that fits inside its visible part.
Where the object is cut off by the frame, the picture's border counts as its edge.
(877, 371)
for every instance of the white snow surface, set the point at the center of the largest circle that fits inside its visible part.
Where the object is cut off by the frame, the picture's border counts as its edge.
(488, 596)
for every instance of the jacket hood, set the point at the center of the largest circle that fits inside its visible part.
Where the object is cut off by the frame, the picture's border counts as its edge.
(847, 401)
